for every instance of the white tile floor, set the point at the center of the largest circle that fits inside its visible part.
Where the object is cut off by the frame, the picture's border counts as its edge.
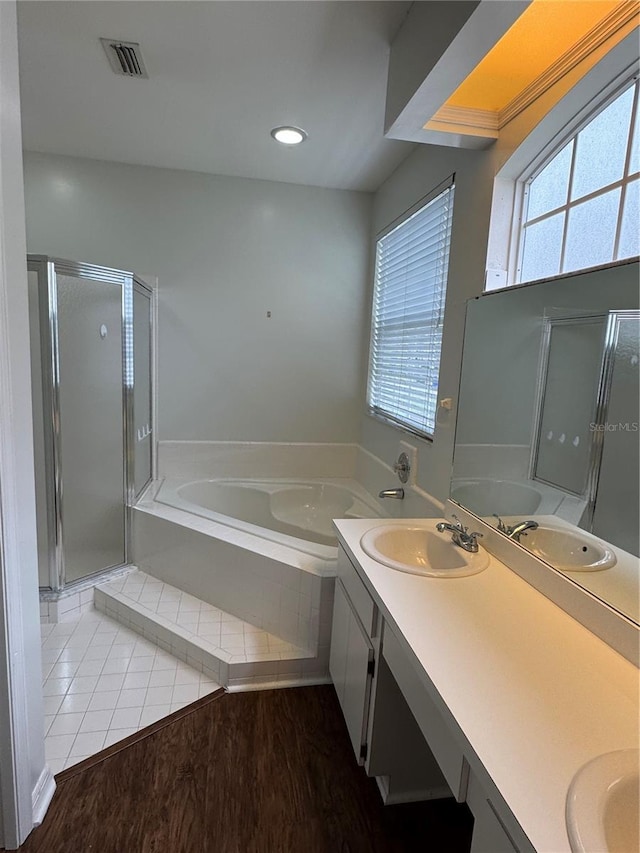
(102, 682)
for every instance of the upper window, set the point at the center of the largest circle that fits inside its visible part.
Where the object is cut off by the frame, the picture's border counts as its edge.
(581, 208)
(412, 260)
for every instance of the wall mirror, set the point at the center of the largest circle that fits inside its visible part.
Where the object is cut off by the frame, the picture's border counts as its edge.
(547, 437)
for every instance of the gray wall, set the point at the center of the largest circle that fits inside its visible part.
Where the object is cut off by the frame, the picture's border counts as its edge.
(423, 170)
(226, 251)
(498, 385)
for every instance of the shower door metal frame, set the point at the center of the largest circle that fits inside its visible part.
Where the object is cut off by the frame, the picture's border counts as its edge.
(142, 287)
(614, 318)
(47, 269)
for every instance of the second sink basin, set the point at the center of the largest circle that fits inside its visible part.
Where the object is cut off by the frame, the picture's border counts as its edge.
(568, 550)
(421, 551)
(602, 804)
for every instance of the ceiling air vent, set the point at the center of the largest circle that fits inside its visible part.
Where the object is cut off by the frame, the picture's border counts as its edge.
(125, 57)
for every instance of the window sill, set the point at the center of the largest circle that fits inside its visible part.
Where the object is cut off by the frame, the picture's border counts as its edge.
(389, 421)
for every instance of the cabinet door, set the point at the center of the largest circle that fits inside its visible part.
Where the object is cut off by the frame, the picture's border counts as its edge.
(349, 665)
(489, 835)
(495, 830)
(339, 641)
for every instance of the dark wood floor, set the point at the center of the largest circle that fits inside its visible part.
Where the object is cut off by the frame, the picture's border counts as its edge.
(265, 772)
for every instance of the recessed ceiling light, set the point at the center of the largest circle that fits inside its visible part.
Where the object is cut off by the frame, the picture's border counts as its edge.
(288, 135)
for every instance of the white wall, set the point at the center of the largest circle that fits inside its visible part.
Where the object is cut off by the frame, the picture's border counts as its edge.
(25, 784)
(226, 251)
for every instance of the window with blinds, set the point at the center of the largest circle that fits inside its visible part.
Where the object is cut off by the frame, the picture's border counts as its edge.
(412, 260)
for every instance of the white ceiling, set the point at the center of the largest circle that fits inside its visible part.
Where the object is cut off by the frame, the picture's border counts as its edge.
(222, 74)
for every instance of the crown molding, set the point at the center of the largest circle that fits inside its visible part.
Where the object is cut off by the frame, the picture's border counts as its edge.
(467, 117)
(465, 120)
(488, 123)
(623, 14)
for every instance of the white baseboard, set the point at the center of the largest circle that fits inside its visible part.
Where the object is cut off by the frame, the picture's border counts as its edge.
(42, 794)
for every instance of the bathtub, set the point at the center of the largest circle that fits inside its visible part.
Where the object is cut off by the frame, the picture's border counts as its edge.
(247, 527)
(294, 513)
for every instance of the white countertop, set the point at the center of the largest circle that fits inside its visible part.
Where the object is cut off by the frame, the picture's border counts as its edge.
(535, 694)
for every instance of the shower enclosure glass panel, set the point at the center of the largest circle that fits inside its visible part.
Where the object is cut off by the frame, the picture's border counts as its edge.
(142, 414)
(85, 361)
(89, 317)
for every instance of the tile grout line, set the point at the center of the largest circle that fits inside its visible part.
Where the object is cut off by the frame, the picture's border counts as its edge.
(195, 686)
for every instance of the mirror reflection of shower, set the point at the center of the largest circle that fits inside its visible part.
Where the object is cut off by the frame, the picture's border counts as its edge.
(548, 424)
(91, 339)
(586, 436)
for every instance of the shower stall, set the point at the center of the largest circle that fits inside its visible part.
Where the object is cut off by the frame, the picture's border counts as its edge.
(91, 364)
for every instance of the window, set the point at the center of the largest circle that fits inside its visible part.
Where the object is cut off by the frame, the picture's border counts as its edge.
(581, 208)
(412, 260)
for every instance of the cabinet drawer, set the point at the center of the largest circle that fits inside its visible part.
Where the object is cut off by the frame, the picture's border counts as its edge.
(357, 592)
(432, 725)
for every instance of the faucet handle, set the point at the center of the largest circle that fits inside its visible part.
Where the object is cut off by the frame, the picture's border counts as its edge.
(502, 527)
(459, 524)
(402, 467)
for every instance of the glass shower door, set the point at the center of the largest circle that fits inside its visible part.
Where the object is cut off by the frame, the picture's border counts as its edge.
(90, 432)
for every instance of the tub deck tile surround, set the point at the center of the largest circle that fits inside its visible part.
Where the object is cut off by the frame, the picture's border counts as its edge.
(229, 650)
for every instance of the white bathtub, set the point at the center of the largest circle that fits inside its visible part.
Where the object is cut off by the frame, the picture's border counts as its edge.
(295, 513)
(248, 528)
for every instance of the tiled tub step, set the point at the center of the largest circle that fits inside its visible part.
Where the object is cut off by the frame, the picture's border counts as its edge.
(232, 652)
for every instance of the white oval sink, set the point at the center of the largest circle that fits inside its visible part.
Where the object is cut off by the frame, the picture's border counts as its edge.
(568, 550)
(602, 804)
(421, 551)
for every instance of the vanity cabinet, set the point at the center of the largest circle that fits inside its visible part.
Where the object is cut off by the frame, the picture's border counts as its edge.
(384, 734)
(494, 828)
(447, 752)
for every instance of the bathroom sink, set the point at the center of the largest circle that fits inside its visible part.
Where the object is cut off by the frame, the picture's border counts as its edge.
(602, 804)
(421, 551)
(568, 550)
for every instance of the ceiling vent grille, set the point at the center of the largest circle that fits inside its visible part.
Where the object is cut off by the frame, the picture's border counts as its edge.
(125, 58)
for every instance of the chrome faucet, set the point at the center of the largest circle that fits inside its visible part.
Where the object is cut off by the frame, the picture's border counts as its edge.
(461, 536)
(392, 493)
(516, 530)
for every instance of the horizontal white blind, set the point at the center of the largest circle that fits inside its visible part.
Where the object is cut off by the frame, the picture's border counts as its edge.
(410, 286)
